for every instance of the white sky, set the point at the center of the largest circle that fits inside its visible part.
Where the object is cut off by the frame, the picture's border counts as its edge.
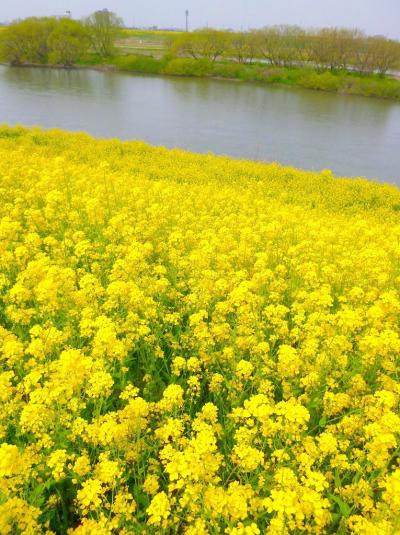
(373, 16)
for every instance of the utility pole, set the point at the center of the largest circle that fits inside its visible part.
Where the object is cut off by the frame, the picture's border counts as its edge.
(187, 20)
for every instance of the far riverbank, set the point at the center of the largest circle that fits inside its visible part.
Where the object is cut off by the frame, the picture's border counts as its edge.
(340, 82)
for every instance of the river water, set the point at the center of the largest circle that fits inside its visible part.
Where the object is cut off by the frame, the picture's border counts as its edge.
(353, 136)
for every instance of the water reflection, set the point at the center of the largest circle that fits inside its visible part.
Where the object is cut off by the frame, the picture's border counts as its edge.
(45, 80)
(309, 129)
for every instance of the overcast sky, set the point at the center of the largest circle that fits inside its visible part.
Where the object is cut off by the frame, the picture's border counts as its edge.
(373, 16)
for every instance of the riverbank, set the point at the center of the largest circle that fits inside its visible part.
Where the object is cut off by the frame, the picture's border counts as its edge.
(55, 66)
(340, 82)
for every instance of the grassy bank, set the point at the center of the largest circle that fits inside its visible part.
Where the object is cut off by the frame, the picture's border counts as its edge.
(193, 344)
(342, 82)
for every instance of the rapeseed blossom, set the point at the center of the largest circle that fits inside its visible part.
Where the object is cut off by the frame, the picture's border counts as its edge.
(193, 344)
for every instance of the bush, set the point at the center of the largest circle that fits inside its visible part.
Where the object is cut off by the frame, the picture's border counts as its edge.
(144, 64)
(275, 75)
(93, 59)
(323, 82)
(189, 67)
(370, 86)
(229, 70)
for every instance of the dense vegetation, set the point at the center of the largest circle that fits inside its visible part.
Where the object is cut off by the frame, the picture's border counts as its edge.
(344, 82)
(58, 40)
(192, 344)
(291, 46)
(338, 60)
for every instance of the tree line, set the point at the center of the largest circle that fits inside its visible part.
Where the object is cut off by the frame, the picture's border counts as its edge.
(59, 40)
(292, 46)
(64, 40)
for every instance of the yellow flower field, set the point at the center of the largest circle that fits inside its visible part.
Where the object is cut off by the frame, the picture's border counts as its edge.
(194, 345)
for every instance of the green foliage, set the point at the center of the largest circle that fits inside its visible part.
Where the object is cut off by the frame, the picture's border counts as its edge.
(94, 59)
(104, 28)
(340, 81)
(205, 43)
(292, 46)
(43, 40)
(371, 87)
(68, 41)
(144, 64)
(325, 81)
(189, 67)
(235, 71)
(330, 59)
(27, 40)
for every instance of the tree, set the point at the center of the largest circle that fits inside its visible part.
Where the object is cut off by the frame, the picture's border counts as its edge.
(321, 49)
(345, 46)
(104, 27)
(364, 55)
(243, 46)
(291, 41)
(68, 41)
(212, 43)
(13, 44)
(205, 43)
(386, 54)
(281, 45)
(27, 40)
(185, 44)
(334, 48)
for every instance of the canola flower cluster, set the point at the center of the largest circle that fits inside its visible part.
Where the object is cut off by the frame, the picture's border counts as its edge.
(194, 345)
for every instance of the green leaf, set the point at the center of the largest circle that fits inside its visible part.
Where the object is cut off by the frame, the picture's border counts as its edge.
(345, 509)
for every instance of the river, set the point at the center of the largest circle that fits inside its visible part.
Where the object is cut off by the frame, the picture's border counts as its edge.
(353, 136)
